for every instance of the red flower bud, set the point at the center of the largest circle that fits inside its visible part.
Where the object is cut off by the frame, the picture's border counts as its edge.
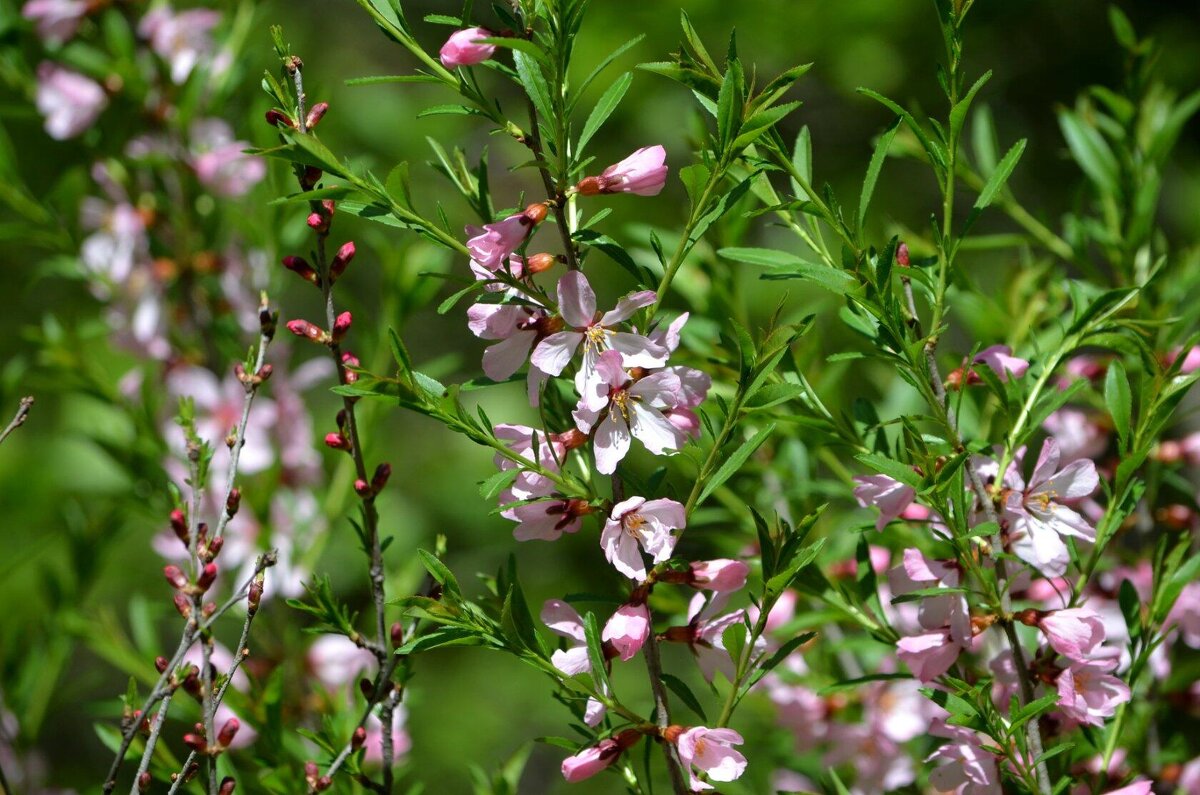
(536, 213)
(183, 605)
(589, 186)
(363, 489)
(358, 738)
(205, 581)
(382, 473)
(538, 263)
(213, 549)
(228, 785)
(318, 222)
(340, 260)
(337, 442)
(175, 577)
(265, 373)
(254, 596)
(161, 663)
(228, 732)
(143, 782)
(316, 114)
(311, 772)
(323, 783)
(233, 502)
(902, 255)
(300, 267)
(397, 633)
(341, 326)
(276, 118)
(195, 742)
(179, 525)
(302, 328)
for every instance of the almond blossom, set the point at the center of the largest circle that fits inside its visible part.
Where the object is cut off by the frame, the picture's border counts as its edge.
(464, 49)
(710, 752)
(591, 761)
(887, 494)
(596, 332)
(930, 654)
(492, 244)
(705, 634)
(918, 573)
(970, 769)
(1038, 518)
(1000, 360)
(619, 408)
(627, 630)
(516, 327)
(1073, 633)
(562, 619)
(219, 161)
(1088, 693)
(69, 101)
(636, 524)
(642, 173)
(56, 20)
(181, 39)
(719, 575)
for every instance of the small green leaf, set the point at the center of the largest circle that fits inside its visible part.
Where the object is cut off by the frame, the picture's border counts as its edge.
(735, 462)
(607, 103)
(680, 688)
(880, 154)
(1119, 400)
(1000, 175)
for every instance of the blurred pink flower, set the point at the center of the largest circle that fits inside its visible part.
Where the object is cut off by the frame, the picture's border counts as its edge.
(711, 751)
(56, 20)
(970, 770)
(1001, 361)
(461, 48)
(1078, 436)
(69, 101)
(219, 405)
(890, 496)
(219, 161)
(337, 661)
(635, 522)
(181, 39)
(401, 741)
(918, 573)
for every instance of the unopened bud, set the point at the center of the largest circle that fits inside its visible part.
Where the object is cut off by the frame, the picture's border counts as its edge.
(228, 732)
(349, 360)
(366, 687)
(228, 785)
(536, 213)
(233, 502)
(267, 321)
(362, 488)
(902, 255)
(191, 681)
(337, 441)
(214, 548)
(300, 267)
(538, 263)
(341, 326)
(382, 473)
(397, 634)
(302, 328)
(161, 663)
(175, 577)
(183, 605)
(179, 525)
(337, 266)
(206, 578)
(589, 186)
(316, 114)
(143, 781)
(277, 118)
(358, 738)
(323, 783)
(311, 771)
(254, 596)
(195, 742)
(264, 372)
(208, 609)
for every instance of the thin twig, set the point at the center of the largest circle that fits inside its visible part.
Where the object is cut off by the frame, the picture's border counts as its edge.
(19, 418)
(534, 141)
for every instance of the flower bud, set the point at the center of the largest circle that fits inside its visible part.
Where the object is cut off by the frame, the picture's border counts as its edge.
(161, 663)
(589, 186)
(465, 48)
(233, 502)
(358, 738)
(208, 609)
(538, 263)
(311, 176)
(264, 373)
(183, 605)
(719, 575)
(175, 577)
(316, 114)
(277, 118)
(143, 781)
(380, 478)
(212, 549)
(191, 681)
(902, 255)
(195, 742)
(349, 360)
(179, 525)
(205, 581)
(397, 634)
(337, 441)
(341, 326)
(302, 328)
(228, 785)
(341, 259)
(228, 732)
(323, 783)
(300, 267)
(318, 222)
(536, 213)
(366, 687)
(254, 595)
(362, 488)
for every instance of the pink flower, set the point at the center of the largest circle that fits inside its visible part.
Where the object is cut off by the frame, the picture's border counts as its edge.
(928, 655)
(1037, 518)
(492, 244)
(69, 101)
(183, 40)
(721, 575)
(220, 163)
(1088, 692)
(118, 244)
(627, 630)
(631, 408)
(517, 327)
(890, 496)
(635, 522)
(401, 741)
(1185, 615)
(705, 634)
(643, 173)
(590, 761)
(219, 406)
(711, 751)
(1191, 359)
(971, 769)
(57, 20)
(1140, 787)
(547, 520)
(577, 304)
(1073, 633)
(337, 661)
(462, 49)
(562, 620)
(1000, 359)
(918, 573)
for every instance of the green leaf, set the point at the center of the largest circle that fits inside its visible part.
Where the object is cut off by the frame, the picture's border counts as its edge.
(1000, 175)
(793, 267)
(937, 154)
(535, 85)
(893, 469)
(607, 103)
(680, 688)
(439, 572)
(729, 107)
(591, 633)
(958, 114)
(735, 462)
(1119, 400)
(1091, 152)
(520, 45)
(880, 154)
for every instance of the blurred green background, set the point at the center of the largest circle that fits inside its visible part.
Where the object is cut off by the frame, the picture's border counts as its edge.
(71, 515)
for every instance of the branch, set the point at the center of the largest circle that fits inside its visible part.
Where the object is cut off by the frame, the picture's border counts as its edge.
(19, 418)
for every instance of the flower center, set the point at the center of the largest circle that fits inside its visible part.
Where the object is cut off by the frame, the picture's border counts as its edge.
(620, 402)
(595, 337)
(634, 523)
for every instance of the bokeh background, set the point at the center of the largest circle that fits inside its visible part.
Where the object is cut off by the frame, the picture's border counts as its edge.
(79, 502)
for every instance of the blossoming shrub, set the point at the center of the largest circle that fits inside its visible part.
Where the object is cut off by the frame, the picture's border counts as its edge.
(978, 575)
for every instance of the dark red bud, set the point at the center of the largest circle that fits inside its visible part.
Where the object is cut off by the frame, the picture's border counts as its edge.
(208, 609)
(337, 442)
(179, 525)
(323, 783)
(233, 502)
(358, 738)
(205, 581)
(318, 222)
(397, 634)
(228, 785)
(300, 267)
(276, 118)
(571, 439)
(382, 473)
(254, 596)
(214, 548)
(310, 331)
(366, 687)
(265, 373)
(315, 115)
(183, 605)
(362, 488)
(228, 732)
(161, 663)
(175, 576)
(902, 255)
(195, 742)
(340, 260)
(143, 782)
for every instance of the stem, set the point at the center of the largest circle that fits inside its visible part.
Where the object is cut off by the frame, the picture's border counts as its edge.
(19, 418)
(662, 713)
(534, 141)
